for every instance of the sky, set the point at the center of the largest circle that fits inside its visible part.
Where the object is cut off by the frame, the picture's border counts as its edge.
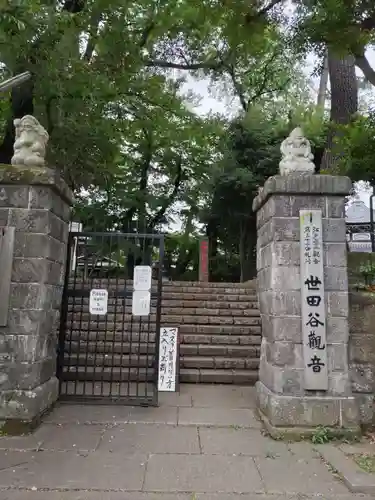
(209, 103)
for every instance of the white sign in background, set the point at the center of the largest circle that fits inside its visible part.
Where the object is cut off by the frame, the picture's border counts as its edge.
(98, 303)
(142, 278)
(141, 303)
(168, 346)
(141, 300)
(313, 305)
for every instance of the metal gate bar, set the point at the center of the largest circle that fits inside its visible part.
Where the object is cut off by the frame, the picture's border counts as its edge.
(111, 358)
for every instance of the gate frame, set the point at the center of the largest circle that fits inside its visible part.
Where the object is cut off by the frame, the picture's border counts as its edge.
(120, 400)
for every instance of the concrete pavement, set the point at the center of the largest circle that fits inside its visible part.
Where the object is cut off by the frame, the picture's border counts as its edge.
(202, 444)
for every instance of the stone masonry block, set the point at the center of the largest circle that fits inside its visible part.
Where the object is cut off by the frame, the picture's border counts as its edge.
(14, 196)
(285, 253)
(30, 348)
(26, 405)
(335, 278)
(335, 254)
(28, 321)
(4, 216)
(335, 207)
(318, 185)
(282, 328)
(32, 296)
(337, 330)
(358, 348)
(295, 411)
(27, 376)
(279, 303)
(362, 377)
(334, 230)
(44, 197)
(276, 205)
(365, 404)
(284, 229)
(339, 384)
(337, 355)
(39, 245)
(337, 304)
(305, 202)
(281, 380)
(37, 270)
(280, 353)
(30, 221)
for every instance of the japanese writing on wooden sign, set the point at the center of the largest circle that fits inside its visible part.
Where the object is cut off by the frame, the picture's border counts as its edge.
(168, 359)
(313, 305)
(98, 302)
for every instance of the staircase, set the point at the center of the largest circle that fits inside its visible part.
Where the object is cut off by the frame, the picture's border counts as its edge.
(219, 327)
(220, 331)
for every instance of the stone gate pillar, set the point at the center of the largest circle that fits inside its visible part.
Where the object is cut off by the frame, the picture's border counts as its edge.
(34, 218)
(303, 377)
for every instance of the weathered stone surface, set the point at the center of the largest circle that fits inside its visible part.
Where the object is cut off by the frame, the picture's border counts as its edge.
(338, 304)
(35, 176)
(362, 377)
(29, 245)
(292, 411)
(14, 196)
(38, 207)
(278, 265)
(337, 186)
(25, 405)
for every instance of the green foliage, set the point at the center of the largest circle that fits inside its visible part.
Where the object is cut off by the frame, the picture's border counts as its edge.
(366, 462)
(321, 435)
(357, 142)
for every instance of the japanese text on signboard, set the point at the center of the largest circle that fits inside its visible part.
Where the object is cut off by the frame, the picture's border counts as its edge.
(167, 359)
(313, 306)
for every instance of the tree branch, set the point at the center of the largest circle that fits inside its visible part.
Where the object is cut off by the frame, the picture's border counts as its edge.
(363, 64)
(158, 63)
(176, 186)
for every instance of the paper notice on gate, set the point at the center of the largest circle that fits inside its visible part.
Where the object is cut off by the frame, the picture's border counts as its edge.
(141, 303)
(142, 278)
(98, 302)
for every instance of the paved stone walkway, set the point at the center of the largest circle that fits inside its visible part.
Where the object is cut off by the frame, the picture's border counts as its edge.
(202, 444)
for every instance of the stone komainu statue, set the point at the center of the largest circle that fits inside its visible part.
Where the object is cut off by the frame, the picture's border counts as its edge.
(31, 142)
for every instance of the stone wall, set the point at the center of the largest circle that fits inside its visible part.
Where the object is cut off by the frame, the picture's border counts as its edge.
(36, 203)
(362, 352)
(283, 400)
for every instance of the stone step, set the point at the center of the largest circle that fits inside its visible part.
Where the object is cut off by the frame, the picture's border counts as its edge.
(221, 339)
(119, 321)
(108, 360)
(213, 295)
(165, 311)
(109, 347)
(126, 348)
(116, 374)
(203, 376)
(219, 362)
(145, 335)
(182, 300)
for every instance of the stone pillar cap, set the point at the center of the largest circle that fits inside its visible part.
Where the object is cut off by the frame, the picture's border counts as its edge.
(36, 176)
(332, 185)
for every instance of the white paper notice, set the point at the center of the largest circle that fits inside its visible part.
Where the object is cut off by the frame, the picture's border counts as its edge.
(142, 278)
(167, 359)
(141, 303)
(98, 302)
(313, 305)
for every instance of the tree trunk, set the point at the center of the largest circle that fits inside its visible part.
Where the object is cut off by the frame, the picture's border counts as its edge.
(323, 84)
(344, 104)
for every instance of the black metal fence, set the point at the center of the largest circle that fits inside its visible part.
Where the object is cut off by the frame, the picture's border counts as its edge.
(110, 357)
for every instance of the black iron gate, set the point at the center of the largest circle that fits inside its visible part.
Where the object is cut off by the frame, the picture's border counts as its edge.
(111, 357)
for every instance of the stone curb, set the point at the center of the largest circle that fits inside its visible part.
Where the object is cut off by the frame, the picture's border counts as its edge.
(356, 479)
